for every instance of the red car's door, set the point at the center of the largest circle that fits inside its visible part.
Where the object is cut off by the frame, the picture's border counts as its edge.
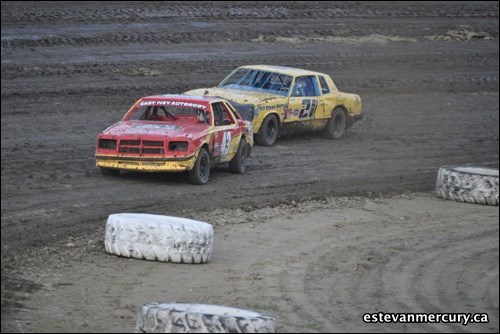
(226, 134)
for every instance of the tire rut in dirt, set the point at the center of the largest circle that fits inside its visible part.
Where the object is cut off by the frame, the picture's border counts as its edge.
(88, 12)
(176, 65)
(466, 84)
(444, 278)
(108, 25)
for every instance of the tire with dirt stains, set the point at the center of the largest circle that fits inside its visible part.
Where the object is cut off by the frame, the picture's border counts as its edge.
(238, 164)
(337, 124)
(468, 184)
(201, 169)
(201, 318)
(158, 238)
(109, 171)
(268, 132)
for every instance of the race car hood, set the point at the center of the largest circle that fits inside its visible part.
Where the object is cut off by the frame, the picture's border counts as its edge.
(136, 128)
(240, 96)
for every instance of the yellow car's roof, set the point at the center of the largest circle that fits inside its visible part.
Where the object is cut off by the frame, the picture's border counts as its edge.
(282, 69)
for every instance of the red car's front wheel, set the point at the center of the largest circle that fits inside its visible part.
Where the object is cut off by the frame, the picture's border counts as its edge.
(201, 170)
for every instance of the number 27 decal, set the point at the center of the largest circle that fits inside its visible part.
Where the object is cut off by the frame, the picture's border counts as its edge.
(308, 108)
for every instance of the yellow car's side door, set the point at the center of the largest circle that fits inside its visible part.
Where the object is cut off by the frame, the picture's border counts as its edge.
(305, 102)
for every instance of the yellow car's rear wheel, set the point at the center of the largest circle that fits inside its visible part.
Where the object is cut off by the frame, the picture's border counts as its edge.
(337, 124)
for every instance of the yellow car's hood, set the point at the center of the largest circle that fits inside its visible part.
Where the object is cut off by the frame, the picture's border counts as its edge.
(237, 95)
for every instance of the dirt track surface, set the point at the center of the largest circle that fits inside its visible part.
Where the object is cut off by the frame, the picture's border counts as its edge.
(428, 77)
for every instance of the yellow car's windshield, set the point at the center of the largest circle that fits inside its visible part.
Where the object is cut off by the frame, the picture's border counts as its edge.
(258, 81)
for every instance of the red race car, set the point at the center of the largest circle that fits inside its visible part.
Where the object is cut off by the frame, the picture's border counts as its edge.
(174, 133)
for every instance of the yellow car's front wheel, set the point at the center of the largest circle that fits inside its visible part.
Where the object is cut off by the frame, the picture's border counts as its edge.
(268, 132)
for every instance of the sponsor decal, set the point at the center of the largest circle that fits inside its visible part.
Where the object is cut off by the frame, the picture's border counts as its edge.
(156, 126)
(271, 107)
(173, 103)
(291, 112)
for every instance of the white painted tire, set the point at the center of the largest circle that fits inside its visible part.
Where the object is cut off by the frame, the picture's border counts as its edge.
(201, 318)
(468, 184)
(158, 238)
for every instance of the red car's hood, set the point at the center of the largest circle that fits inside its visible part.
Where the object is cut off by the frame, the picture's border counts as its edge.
(162, 129)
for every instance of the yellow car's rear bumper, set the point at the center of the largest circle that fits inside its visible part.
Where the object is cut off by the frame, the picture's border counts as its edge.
(358, 117)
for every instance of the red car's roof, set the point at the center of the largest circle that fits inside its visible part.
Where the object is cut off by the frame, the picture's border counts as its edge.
(182, 97)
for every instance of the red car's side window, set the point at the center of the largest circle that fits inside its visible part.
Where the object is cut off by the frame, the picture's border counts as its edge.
(222, 116)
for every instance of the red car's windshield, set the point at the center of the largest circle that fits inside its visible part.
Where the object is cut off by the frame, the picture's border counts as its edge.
(166, 110)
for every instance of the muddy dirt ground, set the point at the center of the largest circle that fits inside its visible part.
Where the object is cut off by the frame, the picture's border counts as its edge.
(317, 232)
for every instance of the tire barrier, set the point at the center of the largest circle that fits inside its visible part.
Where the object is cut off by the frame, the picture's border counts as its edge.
(176, 317)
(468, 184)
(158, 238)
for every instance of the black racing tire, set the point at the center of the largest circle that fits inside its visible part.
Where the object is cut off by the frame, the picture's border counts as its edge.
(238, 164)
(337, 124)
(109, 171)
(175, 317)
(468, 184)
(158, 238)
(268, 132)
(201, 169)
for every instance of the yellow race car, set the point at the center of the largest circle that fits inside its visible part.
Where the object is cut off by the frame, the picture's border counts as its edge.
(281, 99)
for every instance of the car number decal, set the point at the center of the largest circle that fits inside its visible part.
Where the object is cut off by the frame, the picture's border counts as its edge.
(226, 141)
(308, 108)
